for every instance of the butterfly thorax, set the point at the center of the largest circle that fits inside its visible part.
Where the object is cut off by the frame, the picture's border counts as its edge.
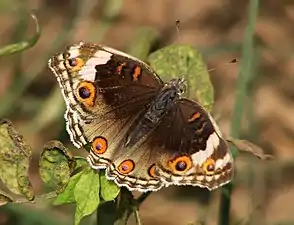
(151, 118)
(165, 100)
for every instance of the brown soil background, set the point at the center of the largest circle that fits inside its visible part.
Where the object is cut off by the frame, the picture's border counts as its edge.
(265, 190)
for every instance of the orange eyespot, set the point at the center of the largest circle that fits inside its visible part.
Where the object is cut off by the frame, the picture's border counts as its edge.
(126, 167)
(151, 170)
(86, 93)
(137, 73)
(194, 117)
(209, 166)
(99, 145)
(76, 64)
(180, 164)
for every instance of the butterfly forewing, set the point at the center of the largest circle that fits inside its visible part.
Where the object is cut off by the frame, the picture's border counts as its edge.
(99, 85)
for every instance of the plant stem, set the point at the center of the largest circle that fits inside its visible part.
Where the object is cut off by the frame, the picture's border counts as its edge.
(125, 206)
(106, 213)
(143, 197)
(241, 93)
(137, 215)
(225, 205)
(245, 70)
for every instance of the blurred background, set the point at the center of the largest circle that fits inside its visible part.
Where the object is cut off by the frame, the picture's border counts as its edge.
(30, 98)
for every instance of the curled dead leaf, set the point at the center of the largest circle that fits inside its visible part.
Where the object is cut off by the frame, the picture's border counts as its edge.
(15, 156)
(56, 165)
(246, 146)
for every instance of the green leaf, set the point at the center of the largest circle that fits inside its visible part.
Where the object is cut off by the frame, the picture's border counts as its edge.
(108, 189)
(15, 157)
(176, 61)
(21, 46)
(67, 195)
(80, 162)
(56, 165)
(86, 194)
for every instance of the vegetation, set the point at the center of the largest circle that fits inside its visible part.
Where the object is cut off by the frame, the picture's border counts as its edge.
(67, 176)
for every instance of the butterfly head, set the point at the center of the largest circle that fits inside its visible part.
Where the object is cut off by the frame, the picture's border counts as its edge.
(180, 84)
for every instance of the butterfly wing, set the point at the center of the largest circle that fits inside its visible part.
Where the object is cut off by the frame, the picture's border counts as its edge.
(193, 151)
(186, 148)
(104, 89)
(105, 92)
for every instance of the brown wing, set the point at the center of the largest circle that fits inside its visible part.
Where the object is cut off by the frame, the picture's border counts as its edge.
(190, 148)
(101, 86)
(185, 149)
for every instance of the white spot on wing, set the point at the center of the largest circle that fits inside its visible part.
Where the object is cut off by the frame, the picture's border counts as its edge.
(60, 57)
(61, 66)
(200, 177)
(88, 72)
(176, 179)
(219, 163)
(211, 144)
(74, 51)
(117, 52)
(209, 178)
(102, 57)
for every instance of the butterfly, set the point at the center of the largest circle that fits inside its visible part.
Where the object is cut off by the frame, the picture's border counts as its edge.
(142, 131)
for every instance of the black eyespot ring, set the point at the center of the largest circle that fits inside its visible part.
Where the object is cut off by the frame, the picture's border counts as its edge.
(84, 92)
(72, 62)
(181, 166)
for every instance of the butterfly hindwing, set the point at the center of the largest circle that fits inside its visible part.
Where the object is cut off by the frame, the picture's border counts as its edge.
(186, 148)
(193, 151)
(130, 167)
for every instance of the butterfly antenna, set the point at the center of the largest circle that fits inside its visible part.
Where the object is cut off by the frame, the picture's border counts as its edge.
(178, 23)
(182, 80)
(220, 112)
(226, 64)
